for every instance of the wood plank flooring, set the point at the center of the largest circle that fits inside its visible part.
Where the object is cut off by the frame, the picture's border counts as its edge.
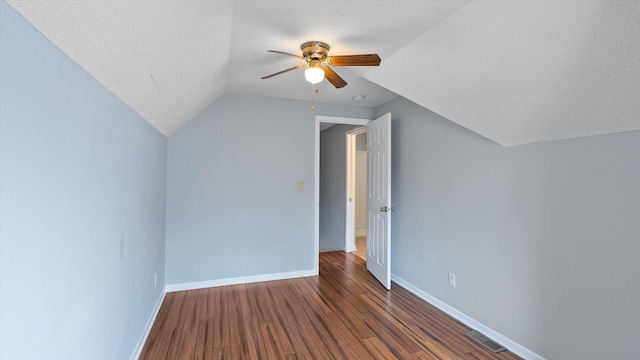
(343, 313)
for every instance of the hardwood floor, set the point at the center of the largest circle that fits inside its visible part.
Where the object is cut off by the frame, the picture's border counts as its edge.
(343, 313)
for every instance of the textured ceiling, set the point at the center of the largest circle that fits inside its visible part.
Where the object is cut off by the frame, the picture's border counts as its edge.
(165, 59)
(513, 71)
(170, 59)
(518, 72)
(350, 27)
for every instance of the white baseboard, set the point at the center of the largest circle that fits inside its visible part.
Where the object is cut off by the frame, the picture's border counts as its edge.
(513, 346)
(361, 231)
(147, 328)
(239, 280)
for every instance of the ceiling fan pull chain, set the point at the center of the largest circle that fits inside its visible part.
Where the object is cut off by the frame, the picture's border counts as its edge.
(314, 90)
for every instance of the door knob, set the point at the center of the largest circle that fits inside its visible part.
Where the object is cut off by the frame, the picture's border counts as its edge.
(392, 209)
(384, 209)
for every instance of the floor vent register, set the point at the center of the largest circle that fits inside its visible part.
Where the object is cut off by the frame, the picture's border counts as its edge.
(485, 341)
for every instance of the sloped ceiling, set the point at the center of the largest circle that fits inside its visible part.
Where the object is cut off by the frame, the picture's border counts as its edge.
(167, 60)
(513, 71)
(518, 72)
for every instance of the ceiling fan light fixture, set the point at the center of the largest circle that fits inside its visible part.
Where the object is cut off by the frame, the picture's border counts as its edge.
(314, 75)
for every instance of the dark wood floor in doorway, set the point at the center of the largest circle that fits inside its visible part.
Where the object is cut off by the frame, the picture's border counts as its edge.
(341, 314)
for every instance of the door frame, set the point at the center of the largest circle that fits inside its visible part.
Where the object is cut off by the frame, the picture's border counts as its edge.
(350, 141)
(316, 183)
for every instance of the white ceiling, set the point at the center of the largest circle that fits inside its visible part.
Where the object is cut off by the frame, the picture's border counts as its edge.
(513, 71)
(518, 72)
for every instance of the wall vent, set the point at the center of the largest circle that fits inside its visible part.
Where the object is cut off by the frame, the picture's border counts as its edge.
(485, 341)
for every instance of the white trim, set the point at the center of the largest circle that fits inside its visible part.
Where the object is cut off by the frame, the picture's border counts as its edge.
(238, 280)
(350, 185)
(349, 235)
(513, 346)
(341, 120)
(350, 248)
(147, 328)
(316, 198)
(316, 182)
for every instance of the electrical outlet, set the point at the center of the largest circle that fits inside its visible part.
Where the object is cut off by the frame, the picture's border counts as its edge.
(155, 279)
(452, 280)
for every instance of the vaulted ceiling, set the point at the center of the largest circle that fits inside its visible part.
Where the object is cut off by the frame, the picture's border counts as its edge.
(515, 72)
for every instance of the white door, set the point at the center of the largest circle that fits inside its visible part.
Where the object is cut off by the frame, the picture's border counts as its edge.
(379, 199)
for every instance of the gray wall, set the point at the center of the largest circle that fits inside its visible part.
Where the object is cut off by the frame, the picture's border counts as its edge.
(82, 200)
(361, 142)
(233, 206)
(333, 187)
(544, 238)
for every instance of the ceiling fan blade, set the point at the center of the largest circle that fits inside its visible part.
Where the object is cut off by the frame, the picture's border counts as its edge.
(354, 60)
(284, 71)
(285, 53)
(333, 78)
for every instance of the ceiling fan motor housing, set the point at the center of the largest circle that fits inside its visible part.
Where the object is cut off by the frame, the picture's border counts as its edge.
(315, 50)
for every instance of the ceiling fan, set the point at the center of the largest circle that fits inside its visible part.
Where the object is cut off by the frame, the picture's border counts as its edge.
(316, 55)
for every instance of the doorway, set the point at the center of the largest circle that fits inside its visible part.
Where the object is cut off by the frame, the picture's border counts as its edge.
(319, 121)
(379, 207)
